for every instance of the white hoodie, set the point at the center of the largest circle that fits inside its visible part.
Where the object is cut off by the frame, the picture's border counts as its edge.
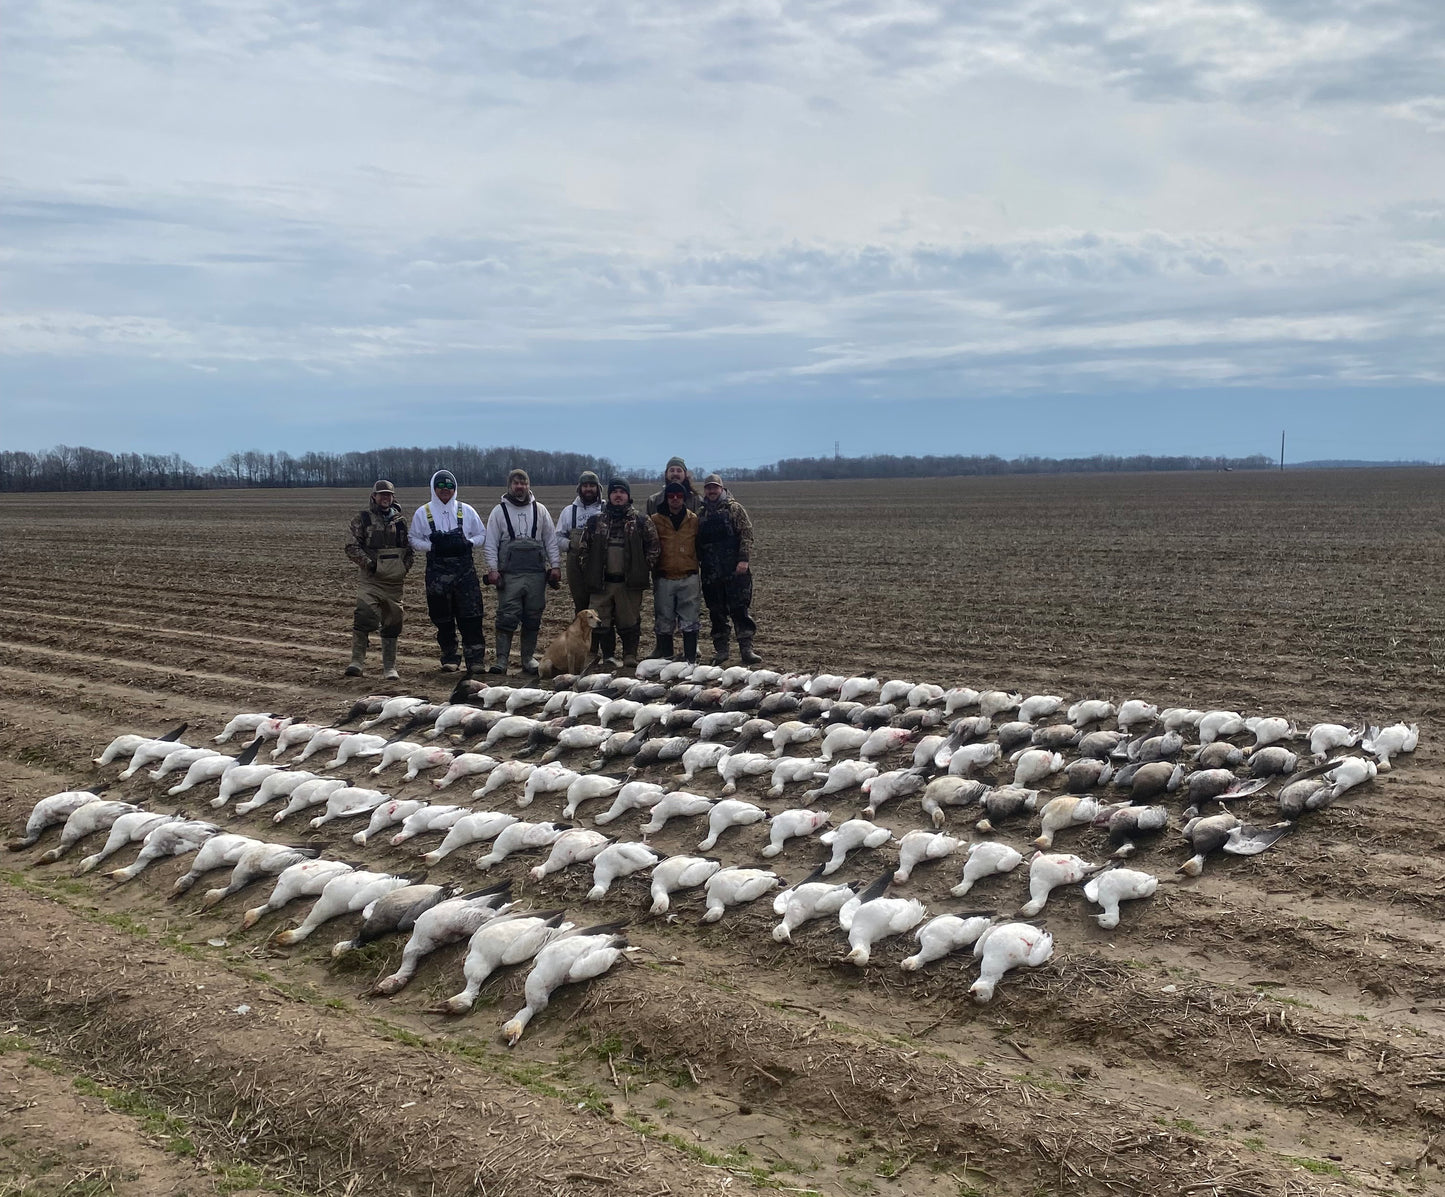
(445, 516)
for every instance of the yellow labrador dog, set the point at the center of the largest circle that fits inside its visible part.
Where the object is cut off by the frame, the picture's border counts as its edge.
(568, 653)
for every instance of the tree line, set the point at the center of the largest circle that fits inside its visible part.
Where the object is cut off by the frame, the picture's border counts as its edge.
(67, 468)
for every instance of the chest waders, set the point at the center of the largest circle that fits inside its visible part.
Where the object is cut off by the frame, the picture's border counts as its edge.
(378, 593)
(727, 593)
(454, 595)
(576, 583)
(522, 591)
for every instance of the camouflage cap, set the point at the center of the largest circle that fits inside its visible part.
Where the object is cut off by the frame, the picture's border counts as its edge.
(519, 473)
(382, 487)
(674, 461)
(713, 480)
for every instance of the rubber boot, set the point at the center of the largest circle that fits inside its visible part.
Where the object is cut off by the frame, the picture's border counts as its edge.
(720, 651)
(746, 654)
(689, 647)
(663, 648)
(358, 654)
(607, 646)
(388, 658)
(630, 637)
(529, 651)
(504, 650)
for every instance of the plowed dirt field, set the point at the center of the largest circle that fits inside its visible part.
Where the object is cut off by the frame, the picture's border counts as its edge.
(1274, 1026)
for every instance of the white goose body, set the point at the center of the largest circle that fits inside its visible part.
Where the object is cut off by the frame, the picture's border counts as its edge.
(985, 860)
(942, 935)
(393, 708)
(423, 758)
(305, 879)
(1383, 743)
(969, 758)
(805, 901)
(1270, 730)
(511, 939)
(84, 820)
(1048, 871)
(348, 802)
(588, 787)
(1005, 946)
(919, 846)
(1039, 705)
(477, 827)
(510, 727)
(617, 709)
(1035, 765)
(445, 923)
(883, 740)
(616, 861)
(395, 753)
(790, 824)
(1109, 888)
(1216, 724)
(429, 819)
(201, 771)
(324, 740)
(576, 845)
(240, 778)
(388, 814)
(885, 787)
(850, 836)
(895, 690)
(737, 765)
(843, 776)
(959, 698)
(259, 860)
(565, 961)
(519, 837)
(128, 829)
(1349, 773)
(1178, 718)
(526, 696)
(293, 736)
(878, 919)
(219, 851)
(1135, 711)
(826, 683)
(736, 887)
(700, 756)
(925, 694)
(842, 738)
(675, 805)
(856, 688)
(793, 731)
(56, 808)
(308, 794)
(793, 770)
(148, 752)
(547, 779)
(678, 873)
(1326, 737)
(246, 722)
(1067, 810)
(168, 839)
(181, 758)
(507, 773)
(579, 736)
(120, 746)
(278, 785)
(345, 893)
(996, 702)
(633, 796)
(358, 744)
(730, 812)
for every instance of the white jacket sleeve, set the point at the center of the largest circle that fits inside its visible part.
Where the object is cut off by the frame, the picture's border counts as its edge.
(472, 526)
(547, 534)
(420, 532)
(564, 529)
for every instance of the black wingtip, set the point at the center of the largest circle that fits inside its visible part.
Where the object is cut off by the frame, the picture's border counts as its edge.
(174, 734)
(248, 754)
(878, 888)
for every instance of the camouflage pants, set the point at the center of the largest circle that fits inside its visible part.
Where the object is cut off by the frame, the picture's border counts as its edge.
(727, 599)
(454, 600)
(617, 607)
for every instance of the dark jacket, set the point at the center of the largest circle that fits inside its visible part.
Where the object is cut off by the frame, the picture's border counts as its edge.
(640, 549)
(379, 540)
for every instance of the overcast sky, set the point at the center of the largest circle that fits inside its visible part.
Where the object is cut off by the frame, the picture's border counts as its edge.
(735, 230)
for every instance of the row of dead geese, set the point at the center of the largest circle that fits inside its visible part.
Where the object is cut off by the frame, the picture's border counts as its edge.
(1011, 943)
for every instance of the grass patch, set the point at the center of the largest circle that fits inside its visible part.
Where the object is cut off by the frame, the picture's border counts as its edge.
(156, 1120)
(1318, 1167)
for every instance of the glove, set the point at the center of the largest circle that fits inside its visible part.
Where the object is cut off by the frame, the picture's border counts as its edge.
(493, 577)
(554, 579)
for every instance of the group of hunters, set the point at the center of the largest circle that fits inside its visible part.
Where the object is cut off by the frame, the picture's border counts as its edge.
(691, 548)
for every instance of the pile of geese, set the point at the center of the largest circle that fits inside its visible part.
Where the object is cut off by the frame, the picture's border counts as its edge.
(638, 742)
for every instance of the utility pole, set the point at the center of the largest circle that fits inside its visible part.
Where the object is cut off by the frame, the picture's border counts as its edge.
(1281, 449)
(836, 454)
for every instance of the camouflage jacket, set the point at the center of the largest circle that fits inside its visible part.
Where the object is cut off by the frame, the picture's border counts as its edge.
(373, 530)
(637, 537)
(724, 537)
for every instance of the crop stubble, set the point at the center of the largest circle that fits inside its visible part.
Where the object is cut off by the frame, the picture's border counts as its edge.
(1273, 1027)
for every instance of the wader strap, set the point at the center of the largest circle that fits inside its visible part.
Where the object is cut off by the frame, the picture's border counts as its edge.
(512, 532)
(433, 522)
